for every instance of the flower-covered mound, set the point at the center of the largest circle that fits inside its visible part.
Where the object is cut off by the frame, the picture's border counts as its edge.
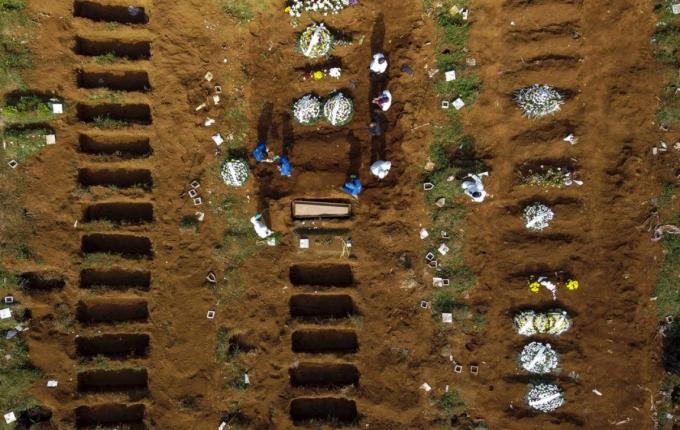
(317, 6)
(338, 109)
(307, 109)
(315, 41)
(538, 101)
(540, 358)
(545, 397)
(530, 323)
(537, 216)
(235, 172)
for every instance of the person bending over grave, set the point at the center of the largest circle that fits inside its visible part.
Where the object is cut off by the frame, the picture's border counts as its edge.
(284, 166)
(261, 152)
(381, 168)
(260, 227)
(353, 186)
(474, 187)
(379, 64)
(384, 101)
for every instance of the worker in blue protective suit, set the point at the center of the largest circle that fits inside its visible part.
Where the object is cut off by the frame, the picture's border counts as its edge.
(284, 166)
(353, 186)
(260, 153)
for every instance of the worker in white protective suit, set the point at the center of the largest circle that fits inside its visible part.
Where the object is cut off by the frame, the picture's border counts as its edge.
(260, 227)
(474, 187)
(381, 168)
(379, 63)
(384, 101)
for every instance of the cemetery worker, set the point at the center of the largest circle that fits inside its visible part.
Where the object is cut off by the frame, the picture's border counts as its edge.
(260, 227)
(375, 126)
(260, 153)
(353, 186)
(379, 64)
(474, 187)
(381, 168)
(284, 166)
(384, 101)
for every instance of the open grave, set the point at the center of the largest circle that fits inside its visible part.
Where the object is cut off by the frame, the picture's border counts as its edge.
(324, 375)
(124, 146)
(130, 49)
(104, 380)
(119, 212)
(112, 310)
(321, 306)
(118, 279)
(41, 281)
(324, 274)
(325, 340)
(335, 409)
(125, 245)
(97, 11)
(113, 345)
(115, 80)
(115, 177)
(132, 113)
(111, 415)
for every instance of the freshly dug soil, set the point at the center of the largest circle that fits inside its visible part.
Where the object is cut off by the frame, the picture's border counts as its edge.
(607, 69)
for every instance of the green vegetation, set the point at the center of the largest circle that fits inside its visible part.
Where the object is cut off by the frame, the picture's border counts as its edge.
(189, 222)
(452, 154)
(241, 10)
(108, 58)
(666, 46)
(23, 143)
(667, 285)
(109, 96)
(15, 31)
(106, 122)
(667, 195)
(28, 109)
(450, 406)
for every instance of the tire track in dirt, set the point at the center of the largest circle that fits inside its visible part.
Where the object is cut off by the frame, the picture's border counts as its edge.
(580, 48)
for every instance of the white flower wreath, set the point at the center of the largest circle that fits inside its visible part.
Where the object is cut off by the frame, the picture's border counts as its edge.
(537, 216)
(537, 357)
(338, 109)
(307, 109)
(545, 397)
(235, 172)
(538, 101)
(315, 41)
(317, 6)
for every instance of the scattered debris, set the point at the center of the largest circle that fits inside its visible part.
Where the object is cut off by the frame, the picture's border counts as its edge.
(426, 387)
(424, 233)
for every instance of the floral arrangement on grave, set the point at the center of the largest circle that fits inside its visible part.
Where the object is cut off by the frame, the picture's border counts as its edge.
(325, 7)
(307, 109)
(235, 172)
(536, 282)
(538, 101)
(544, 397)
(338, 109)
(530, 323)
(550, 177)
(315, 41)
(317, 75)
(537, 216)
(539, 358)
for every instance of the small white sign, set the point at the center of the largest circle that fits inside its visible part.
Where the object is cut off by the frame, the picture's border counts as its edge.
(218, 139)
(216, 99)
(458, 103)
(10, 417)
(424, 233)
(271, 241)
(304, 243)
(447, 318)
(52, 383)
(450, 75)
(5, 313)
(208, 122)
(471, 62)
(50, 139)
(443, 249)
(676, 8)
(210, 315)
(57, 108)
(425, 387)
(437, 282)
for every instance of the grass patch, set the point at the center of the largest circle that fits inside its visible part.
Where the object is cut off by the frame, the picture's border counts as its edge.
(22, 143)
(189, 222)
(668, 279)
(108, 58)
(106, 122)
(26, 110)
(241, 10)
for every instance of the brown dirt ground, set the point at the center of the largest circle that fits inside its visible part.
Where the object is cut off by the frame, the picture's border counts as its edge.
(593, 236)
